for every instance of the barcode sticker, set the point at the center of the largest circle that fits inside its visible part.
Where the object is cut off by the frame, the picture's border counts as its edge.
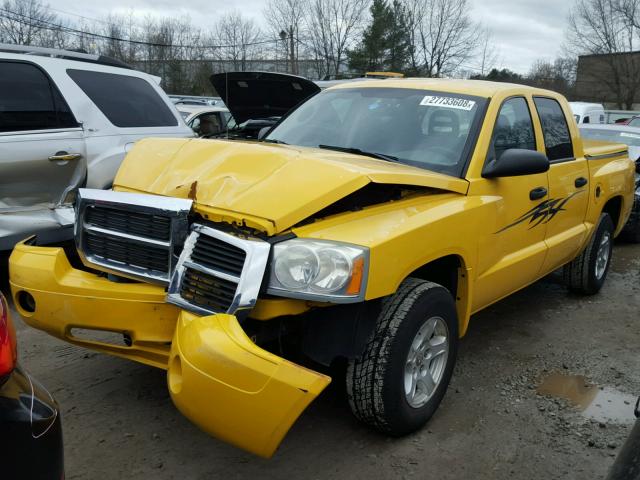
(448, 102)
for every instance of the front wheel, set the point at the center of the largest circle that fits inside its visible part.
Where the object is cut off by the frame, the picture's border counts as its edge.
(403, 374)
(586, 273)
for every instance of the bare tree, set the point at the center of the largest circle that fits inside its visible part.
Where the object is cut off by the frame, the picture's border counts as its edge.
(607, 28)
(444, 35)
(333, 27)
(23, 21)
(487, 52)
(239, 36)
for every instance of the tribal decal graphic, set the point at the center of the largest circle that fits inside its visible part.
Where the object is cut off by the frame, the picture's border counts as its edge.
(543, 212)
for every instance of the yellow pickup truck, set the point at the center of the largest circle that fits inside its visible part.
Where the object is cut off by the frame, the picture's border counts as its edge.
(367, 226)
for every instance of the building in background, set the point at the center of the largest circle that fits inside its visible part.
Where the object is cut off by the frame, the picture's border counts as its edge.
(610, 79)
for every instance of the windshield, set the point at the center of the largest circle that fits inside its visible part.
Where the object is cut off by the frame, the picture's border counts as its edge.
(634, 122)
(422, 128)
(631, 139)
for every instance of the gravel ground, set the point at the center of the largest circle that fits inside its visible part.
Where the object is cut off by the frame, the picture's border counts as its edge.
(119, 421)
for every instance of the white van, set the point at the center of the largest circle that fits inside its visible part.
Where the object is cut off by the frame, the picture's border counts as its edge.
(587, 112)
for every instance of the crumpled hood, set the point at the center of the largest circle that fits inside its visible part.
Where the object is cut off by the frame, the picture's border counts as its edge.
(266, 186)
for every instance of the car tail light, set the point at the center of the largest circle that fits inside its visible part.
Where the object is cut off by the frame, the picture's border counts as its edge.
(8, 350)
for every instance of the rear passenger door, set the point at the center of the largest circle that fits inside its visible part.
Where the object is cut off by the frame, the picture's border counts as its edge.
(42, 150)
(568, 186)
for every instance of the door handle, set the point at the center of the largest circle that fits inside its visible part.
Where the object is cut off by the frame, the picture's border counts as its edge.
(64, 157)
(580, 182)
(537, 193)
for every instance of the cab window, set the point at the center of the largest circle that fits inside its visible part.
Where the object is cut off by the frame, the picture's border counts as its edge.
(557, 139)
(513, 129)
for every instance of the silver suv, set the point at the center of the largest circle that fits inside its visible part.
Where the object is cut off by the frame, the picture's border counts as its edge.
(67, 120)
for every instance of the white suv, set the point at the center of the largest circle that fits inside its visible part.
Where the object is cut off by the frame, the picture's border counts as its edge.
(67, 120)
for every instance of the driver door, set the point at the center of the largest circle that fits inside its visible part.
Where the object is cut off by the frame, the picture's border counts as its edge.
(513, 250)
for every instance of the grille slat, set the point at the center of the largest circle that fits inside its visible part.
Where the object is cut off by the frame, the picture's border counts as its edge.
(219, 263)
(207, 291)
(119, 250)
(218, 255)
(146, 225)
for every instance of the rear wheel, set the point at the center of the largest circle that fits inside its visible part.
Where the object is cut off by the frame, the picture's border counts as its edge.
(586, 273)
(401, 378)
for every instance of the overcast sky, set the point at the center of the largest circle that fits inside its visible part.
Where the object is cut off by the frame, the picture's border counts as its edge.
(523, 30)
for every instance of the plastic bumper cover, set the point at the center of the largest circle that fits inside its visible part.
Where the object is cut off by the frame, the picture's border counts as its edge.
(233, 389)
(66, 299)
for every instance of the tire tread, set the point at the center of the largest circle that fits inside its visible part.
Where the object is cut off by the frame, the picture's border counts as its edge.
(365, 377)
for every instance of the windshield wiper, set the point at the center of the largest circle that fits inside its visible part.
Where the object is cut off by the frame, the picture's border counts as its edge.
(357, 151)
(275, 140)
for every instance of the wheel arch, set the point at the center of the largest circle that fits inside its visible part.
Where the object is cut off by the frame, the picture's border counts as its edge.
(613, 207)
(452, 272)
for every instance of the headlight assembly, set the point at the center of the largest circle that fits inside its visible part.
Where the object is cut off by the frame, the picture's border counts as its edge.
(318, 270)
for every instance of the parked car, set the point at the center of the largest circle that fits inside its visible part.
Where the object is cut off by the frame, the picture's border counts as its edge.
(66, 120)
(585, 112)
(634, 121)
(627, 463)
(629, 136)
(367, 227)
(30, 422)
(197, 100)
(210, 121)
(257, 100)
(619, 116)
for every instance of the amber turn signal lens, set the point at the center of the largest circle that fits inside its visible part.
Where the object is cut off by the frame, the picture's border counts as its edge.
(356, 277)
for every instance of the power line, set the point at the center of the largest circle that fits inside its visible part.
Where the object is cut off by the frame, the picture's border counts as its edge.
(27, 20)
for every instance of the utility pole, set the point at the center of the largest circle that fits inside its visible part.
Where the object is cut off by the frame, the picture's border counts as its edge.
(294, 67)
(283, 37)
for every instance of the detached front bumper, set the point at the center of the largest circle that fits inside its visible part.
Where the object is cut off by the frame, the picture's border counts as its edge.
(233, 389)
(217, 377)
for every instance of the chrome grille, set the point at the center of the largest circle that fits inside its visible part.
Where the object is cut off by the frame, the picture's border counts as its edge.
(218, 272)
(145, 225)
(130, 234)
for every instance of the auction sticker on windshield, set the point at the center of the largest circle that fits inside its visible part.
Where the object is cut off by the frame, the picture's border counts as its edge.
(448, 102)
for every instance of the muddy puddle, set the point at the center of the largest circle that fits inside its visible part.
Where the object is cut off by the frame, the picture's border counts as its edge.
(603, 404)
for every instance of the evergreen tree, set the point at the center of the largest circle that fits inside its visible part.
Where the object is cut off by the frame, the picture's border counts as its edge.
(397, 39)
(370, 55)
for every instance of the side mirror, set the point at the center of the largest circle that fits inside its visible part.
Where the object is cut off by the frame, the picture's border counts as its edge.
(515, 162)
(263, 132)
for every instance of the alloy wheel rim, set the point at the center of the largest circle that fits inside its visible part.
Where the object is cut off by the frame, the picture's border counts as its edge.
(604, 253)
(426, 361)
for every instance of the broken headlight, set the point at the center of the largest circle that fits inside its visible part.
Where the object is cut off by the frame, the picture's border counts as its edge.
(319, 270)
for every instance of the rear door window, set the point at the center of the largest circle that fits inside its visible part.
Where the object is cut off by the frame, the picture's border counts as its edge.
(126, 101)
(557, 139)
(29, 101)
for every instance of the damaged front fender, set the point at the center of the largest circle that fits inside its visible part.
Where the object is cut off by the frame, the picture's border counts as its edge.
(233, 389)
